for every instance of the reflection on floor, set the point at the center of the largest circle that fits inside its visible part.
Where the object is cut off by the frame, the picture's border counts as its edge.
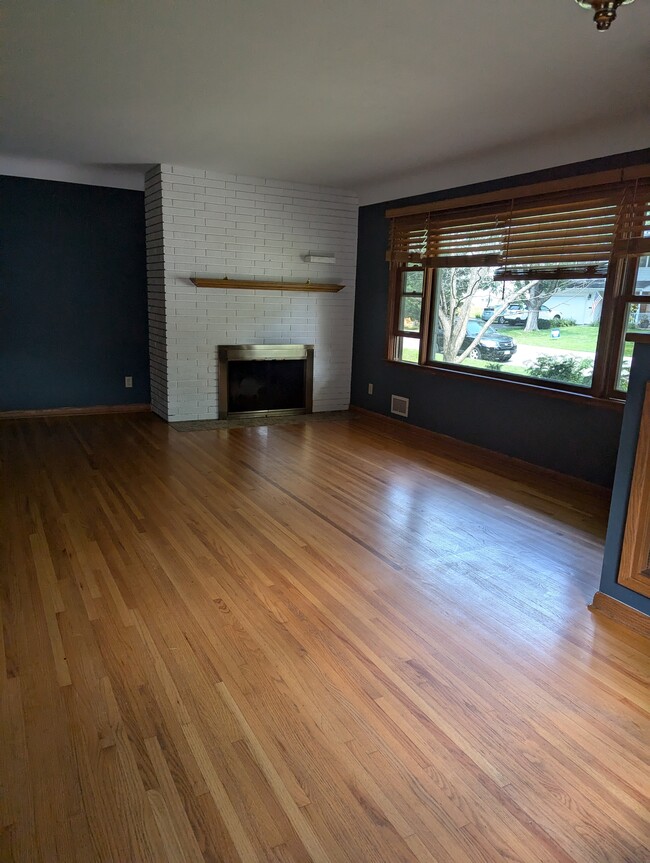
(318, 641)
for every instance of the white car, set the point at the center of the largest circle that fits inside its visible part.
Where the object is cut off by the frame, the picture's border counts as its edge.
(517, 313)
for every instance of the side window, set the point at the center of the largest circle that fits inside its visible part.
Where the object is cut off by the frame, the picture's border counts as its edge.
(408, 325)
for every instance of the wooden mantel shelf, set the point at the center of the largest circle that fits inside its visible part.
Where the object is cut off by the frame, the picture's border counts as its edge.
(265, 286)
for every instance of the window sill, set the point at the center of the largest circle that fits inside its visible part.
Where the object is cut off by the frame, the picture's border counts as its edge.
(639, 338)
(550, 391)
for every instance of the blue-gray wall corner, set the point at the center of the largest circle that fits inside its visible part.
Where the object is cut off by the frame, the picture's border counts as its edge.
(73, 302)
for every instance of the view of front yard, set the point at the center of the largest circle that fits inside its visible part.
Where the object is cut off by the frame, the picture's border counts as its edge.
(576, 341)
(478, 320)
(571, 338)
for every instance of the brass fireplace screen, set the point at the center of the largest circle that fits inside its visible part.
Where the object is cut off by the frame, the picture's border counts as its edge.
(265, 380)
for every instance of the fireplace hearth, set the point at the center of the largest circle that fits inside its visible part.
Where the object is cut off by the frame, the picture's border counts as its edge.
(265, 380)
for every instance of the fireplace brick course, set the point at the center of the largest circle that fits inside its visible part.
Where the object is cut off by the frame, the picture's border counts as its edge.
(210, 224)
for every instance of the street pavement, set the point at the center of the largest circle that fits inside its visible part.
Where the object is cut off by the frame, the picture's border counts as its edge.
(529, 353)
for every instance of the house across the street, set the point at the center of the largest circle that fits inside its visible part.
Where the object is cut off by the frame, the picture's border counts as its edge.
(582, 302)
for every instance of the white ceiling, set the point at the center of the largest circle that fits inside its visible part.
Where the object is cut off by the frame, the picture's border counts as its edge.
(360, 94)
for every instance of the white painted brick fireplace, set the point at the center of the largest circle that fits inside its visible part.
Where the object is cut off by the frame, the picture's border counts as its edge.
(201, 223)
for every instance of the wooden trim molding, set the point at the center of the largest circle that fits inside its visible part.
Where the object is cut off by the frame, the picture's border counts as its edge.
(69, 412)
(640, 338)
(512, 193)
(621, 613)
(511, 381)
(634, 569)
(251, 284)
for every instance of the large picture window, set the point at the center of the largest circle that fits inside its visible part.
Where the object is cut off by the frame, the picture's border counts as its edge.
(540, 288)
(548, 332)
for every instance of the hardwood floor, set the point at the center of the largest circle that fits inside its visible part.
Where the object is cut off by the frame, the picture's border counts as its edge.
(308, 642)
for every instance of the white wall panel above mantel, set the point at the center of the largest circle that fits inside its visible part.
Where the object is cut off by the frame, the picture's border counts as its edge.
(217, 225)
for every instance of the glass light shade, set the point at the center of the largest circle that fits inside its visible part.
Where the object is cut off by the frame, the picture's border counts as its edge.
(587, 4)
(604, 10)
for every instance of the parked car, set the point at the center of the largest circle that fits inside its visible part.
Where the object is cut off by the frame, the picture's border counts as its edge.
(492, 345)
(488, 311)
(517, 313)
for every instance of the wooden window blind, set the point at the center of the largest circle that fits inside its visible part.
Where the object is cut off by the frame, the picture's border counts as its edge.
(578, 230)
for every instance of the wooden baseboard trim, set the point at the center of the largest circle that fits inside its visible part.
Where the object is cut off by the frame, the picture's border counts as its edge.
(480, 456)
(71, 412)
(619, 612)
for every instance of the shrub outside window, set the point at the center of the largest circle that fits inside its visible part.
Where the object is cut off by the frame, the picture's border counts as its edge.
(554, 341)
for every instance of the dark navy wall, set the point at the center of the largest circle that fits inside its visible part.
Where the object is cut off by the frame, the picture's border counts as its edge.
(639, 377)
(73, 295)
(577, 439)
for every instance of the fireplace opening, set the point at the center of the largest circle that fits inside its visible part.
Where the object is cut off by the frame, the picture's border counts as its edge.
(260, 380)
(264, 385)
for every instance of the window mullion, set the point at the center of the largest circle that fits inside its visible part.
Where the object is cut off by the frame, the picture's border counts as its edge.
(617, 345)
(610, 325)
(427, 315)
(393, 315)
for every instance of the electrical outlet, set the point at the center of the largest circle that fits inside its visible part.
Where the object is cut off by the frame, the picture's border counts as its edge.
(128, 381)
(370, 389)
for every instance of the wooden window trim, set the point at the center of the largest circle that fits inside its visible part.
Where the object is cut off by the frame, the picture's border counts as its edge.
(619, 289)
(640, 338)
(394, 332)
(603, 387)
(619, 305)
(606, 358)
(634, 571)
(545, 187)
(514, 383)
(427, 310)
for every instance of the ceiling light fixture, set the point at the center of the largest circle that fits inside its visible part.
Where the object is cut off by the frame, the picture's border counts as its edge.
(604, 10)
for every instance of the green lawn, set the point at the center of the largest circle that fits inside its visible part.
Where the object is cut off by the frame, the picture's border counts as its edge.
(578, 338)
(510, 367)
(571, 338)
(410, 355)
(582, 338)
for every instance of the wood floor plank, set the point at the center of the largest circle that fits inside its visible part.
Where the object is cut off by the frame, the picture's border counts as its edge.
(241, 841)
(172, 814)
(322, 643)
(286, 801)
(16, 801)
(51, 604)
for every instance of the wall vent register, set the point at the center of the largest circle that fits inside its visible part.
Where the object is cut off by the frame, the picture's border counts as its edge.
(399, 405)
